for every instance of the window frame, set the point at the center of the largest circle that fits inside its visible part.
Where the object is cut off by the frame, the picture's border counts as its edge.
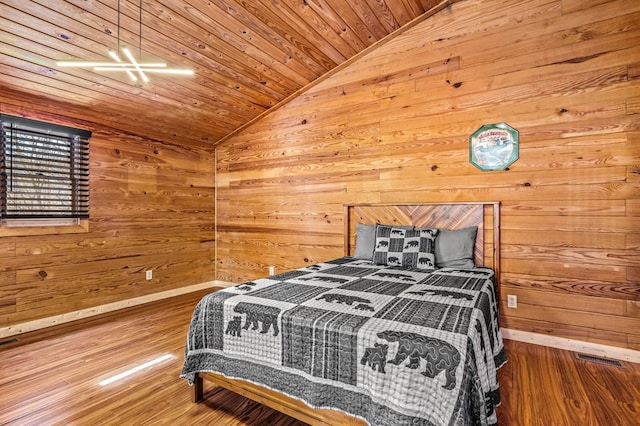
(47, 139)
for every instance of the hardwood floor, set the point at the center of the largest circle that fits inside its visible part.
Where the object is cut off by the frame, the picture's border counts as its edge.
(544, 386)
(51, 377)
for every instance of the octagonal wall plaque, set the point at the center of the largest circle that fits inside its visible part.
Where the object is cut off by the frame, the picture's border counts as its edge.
(494, 147)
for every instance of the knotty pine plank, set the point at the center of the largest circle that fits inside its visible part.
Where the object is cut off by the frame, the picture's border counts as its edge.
(331, 45)
(117, 153)
(7, 304)
(560, 208)
(554, 178)
(574, 302)
(330, 25)
(561, 271)
(601, 240)
(573, 285)
(596, 256)
(338, 23)
(525, 116)
(522, 82)
(16, 103)
(633, 105)
(569, 6)
(564, 35)
(487, 187)
(394, 13)
(106, 244)
(51, 255)
(573, 223)
(633, 240)
(547, 78)
(232, 27)
(221, 25)
(634, 342)
(547, 328)
(608, 323)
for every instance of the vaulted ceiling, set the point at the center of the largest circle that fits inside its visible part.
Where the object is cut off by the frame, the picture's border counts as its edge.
(247, 56)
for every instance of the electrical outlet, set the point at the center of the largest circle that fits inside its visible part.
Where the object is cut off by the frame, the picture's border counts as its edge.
(512, 301)
(149, 274)
(272, 270)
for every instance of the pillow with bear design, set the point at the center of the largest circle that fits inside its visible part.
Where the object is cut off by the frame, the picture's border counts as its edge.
(366, 239)
(409, 248)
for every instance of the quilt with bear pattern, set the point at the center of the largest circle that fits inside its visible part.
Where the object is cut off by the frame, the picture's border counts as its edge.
(390, 345)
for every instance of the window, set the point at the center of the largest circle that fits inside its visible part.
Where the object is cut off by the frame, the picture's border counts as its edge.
(44, 174)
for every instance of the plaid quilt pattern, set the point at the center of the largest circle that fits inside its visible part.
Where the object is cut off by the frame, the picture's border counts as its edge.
(391, 345)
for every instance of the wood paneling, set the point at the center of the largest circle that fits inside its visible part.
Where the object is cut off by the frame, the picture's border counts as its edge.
(247, 56)
(393, 126)
(152, 207)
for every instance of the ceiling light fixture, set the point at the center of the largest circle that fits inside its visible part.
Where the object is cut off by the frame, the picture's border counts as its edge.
(132, 67)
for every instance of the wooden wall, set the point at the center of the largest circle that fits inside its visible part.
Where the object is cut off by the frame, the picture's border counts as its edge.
(152, 207)
(393, 126)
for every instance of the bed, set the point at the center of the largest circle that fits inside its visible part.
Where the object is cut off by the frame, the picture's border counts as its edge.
(401, 330)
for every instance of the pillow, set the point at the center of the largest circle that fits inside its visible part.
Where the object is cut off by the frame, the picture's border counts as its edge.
(410, 248)
(366, 240)
(454, 248)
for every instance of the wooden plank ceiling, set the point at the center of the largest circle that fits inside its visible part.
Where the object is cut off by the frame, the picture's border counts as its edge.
(247, 55)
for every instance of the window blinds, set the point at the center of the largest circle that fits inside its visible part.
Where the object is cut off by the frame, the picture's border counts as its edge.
(44, 170)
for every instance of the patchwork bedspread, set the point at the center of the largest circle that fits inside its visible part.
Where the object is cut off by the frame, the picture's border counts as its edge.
(390, 345)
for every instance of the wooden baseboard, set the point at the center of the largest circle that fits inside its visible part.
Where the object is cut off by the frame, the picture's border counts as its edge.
(594, 349)
(26, 327)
